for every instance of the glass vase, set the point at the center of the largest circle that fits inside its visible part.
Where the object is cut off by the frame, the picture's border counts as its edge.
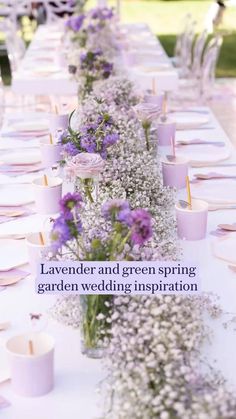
(94, 327)
(88, 187)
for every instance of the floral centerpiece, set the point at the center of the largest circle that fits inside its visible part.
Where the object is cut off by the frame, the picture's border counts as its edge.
(154, 341)
(92, 29)
(93, 66)
(122, 232)
(91, 137)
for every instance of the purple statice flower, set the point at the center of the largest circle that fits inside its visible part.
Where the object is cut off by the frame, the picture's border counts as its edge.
(83, 57)
(103, 154)
(94, 13)
(75, 23)
(69, 202)
(70, 149)
(89, 128)
(98, 52)
(103, 13)
(106, 119)
(111, 209)
(88, 143)
(60, 234)
(62, 137)
(107, 13)
(140, 221)
(107, 69)
(110, 139)
(90, 57)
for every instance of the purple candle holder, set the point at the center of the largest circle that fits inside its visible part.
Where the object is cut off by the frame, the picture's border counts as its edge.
(192, 223)
(50, 153)
(165, 133)
(58, 122)
(47, 197)
(174, 172)
(32, 374)
(157, 99)
(36, 250)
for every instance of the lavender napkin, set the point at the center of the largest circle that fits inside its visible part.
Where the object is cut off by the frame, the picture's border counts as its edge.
(17, 170)
(6, 218)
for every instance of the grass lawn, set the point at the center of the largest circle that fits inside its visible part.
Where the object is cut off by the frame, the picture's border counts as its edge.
(165, 18)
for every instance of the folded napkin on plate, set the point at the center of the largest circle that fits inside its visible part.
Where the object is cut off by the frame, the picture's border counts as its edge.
(19, 158)
(12, 276)
(19, 169)
(10, 213)
(24, 134)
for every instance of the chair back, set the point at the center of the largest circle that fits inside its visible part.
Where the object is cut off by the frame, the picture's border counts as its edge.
(210, 58)
(197, 53)
(56, 8)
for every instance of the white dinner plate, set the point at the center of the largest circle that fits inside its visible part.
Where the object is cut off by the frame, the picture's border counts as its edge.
(10, 143)
(187, 120)
(203, 154)
(15, 195)
(13, 254)
(215, 191)
(33, 125)
(21, 157)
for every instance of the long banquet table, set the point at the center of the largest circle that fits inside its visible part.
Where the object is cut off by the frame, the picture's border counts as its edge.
(43, 70)
(77, 377)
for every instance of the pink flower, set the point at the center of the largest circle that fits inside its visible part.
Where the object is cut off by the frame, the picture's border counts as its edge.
(147, 112)
(85, 165)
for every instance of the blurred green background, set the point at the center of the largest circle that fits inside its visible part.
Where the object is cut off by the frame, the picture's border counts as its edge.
(165, 18)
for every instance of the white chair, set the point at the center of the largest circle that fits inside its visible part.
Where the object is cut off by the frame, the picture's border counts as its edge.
(199, 89)
(14, 44)
(56, 7)
(209, 63)
(197, 54)
(181, 40)
(12, 9)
